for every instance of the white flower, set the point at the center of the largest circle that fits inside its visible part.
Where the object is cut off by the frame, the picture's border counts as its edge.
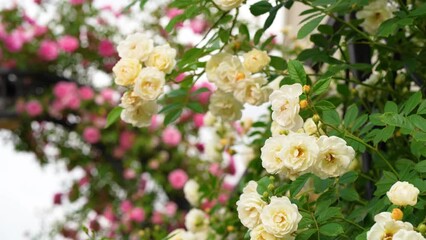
(250, 205)
(271, 160)
(139, 115)
(311, 128)
(225, 70)
(191, 191)
(126, 70)
(259, 233)
(285, 105)
(280, 217)
(403, 194)
(386, 227)
(130, 100)
(163, 58)
(408, 235)
(149, 83)
(374, 14)
(227, 5)
(181, 234)
(196, 221)
(250, 91)
(256, 60)
(225, 106)
(137, 46)
(334, 157)
(366, 92)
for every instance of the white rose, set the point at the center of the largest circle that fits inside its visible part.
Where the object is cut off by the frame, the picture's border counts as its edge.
(126, 70)
(299, 154)
(256, 60)
(408, 235)
(385, 226)
(130, 100)
(191, 191)
(259, 233)
(334, 157)
(196, 221)
(140, 114)
(225, 106)
(270, 154)
(149, 83)
(280, 217)
(311, 128)
(227, 5)
(250, 91)
(366, 92)
(137, 46)
(285, 105)
(250, 205)
(163, 58)
(403, 194)
(374, 14)
(277, 129)
(225, 70)
(181, 234)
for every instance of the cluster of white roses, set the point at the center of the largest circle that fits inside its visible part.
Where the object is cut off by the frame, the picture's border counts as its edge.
(142, 68)
(374, 14)
(197, 225)
(237, 82)
(296, 147)
(277, 220)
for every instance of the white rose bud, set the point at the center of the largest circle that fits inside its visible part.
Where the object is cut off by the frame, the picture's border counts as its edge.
(137, 46)
(281, 217)
(250, 205)
(285, 106)
(163, 58)
(149, 83)
(227, 5)
(196, 221)
(256, 60)
(225, 106)
(126, 70)
(403, 194)
(191, 191)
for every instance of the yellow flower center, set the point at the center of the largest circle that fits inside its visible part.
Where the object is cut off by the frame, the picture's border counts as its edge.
(240, 76)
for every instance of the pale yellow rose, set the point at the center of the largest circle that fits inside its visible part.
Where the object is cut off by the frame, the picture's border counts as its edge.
(225, 106)
(403, 194)
(137, 46)
(149, 83)
(227, 5)
(256, 60)
(126, 70)
(163, 58)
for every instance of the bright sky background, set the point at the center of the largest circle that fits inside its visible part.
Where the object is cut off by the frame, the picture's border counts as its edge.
(26, 189)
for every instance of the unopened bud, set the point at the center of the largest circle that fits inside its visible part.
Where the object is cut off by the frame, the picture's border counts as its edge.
(316, 118)
(230, 228)
(397, 214)
(271, 187)
(303, 104)
(265, 194)
(306, 88)
(422, 228)
(237, 45)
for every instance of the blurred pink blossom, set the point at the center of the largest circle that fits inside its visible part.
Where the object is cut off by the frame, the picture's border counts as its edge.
(180, 77)
(77, 2)
(86, 93)
(109, 214)
(68, 43)
(14, 42)
(137, 214)
(106, 48)
(48, 50)
(84, 181)
(127, 138)
(199, 120)
(171, 209)
(198, 25)
(129, 174)
(157, 217)
(91, 135)
(39, 30)
(110, 95)
(155, 123)
(33, 108)
(215, 169)
(171, 136)
(178, 178)
(126, 206)
(173, 12)
(203, 97)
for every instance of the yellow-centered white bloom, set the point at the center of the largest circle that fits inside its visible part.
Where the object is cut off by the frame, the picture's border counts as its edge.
(181, 234)
(251, 90)
(225, 106)
(270, 154)
(137, 46)
(250, 205)
(163, 58)
(334, 157)
(280, 217)
(196, 221)
(256, 60)
(285, 105)
(259, 233)
(126, 70)
(225, 70)
(374, 14)
(386, 227)
(149, 83)
(130, 100)
(191, 192)
(403, 194)
(139, 115)
(227, 5)
(407, 235)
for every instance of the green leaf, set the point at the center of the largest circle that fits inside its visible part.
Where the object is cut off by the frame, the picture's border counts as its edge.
(298, 184)
(384, 184)
(310, 26)
(305, 235)
(348, 177)
(243, 30)
(359, 122)
(412, 102)
(349, 194)
(331, 117)
(331, 229)
(350, 115)
(113, 116)
(297, 71)
(392, 119)
(327, 213)
(262, 185)
(272, 14)
(278, 63)
(172, 116)
(170, 107)
(196, 107)
(321, 86)
(418, 121)
(223, 35)
(421, 167)
(419, 11)
(257, 36)
(142, 4)
(387, 28)
(260, 8)
(422, 108)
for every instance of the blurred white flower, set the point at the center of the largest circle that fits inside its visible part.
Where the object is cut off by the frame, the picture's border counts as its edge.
(256, 60)
(196, 221)
(137, 46)
(191, 191)
(374, 14)
(149, 83)
(225, 106)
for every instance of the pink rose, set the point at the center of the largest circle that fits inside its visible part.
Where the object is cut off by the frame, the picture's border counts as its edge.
(171, 209)
(203, 97)
(198, 25)
(126, 206)
(91, 135)
(110, 95)
(157, 218)
(76, 2)
(178, 178)
(109, 214)
(64, 88)
(86, 93)
(173, 12)
(137, 214)
(198, 120)
(127, 139)
(129, 174)
(223, 198)
(33, 108)
(106, 48)
(215, 169)
(68, 43)
(155, 123)
(39, 30)
(48, 50)
(171, 136)
(14, 42)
